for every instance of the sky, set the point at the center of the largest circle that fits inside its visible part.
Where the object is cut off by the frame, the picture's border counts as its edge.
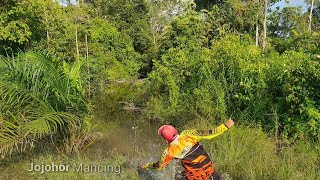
(283, 3)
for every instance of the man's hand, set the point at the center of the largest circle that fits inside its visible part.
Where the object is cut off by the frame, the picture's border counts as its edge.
(229, 123)
(142, 166)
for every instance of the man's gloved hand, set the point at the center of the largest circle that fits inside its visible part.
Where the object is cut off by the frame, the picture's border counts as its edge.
(229, 123)
(142, 166)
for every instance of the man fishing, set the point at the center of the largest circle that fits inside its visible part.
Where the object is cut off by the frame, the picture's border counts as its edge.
(185, 146)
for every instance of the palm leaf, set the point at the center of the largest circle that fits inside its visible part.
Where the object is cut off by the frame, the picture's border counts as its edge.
(41, 75)
(11, 137)
(37, 98)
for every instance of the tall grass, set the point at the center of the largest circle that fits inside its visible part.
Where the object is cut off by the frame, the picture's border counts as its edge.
(246, 153)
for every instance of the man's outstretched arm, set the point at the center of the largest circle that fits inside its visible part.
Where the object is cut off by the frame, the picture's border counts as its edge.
(211, 133)
(164, 160)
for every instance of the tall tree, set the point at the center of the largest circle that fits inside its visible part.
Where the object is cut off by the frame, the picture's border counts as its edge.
(161, 13)
(264, 40)
(287, 22)
(15, 31)
(314, 16)
(207, 4)
(267, 5)
(245, 16)
(310, 15)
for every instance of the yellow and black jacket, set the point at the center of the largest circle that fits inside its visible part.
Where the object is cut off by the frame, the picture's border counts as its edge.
(195, 160)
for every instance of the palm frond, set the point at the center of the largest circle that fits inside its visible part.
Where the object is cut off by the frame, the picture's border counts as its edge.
(41, 75)
(73, 72)
(39, 98)
(42, 123)
(19, 133)
(13, 96)
(11, 137)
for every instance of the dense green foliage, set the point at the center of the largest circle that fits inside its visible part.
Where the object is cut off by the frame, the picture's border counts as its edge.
(232, 76)
(39, 98)
(175, 62)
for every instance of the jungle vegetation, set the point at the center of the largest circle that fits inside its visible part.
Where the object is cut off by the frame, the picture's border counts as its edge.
(189, 63)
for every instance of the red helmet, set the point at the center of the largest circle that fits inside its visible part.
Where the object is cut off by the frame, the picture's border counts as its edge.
(168, 132)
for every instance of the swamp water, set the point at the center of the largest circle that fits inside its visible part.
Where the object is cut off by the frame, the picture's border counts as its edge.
(134, 137)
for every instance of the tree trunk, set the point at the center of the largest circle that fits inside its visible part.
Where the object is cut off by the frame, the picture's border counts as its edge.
(264, 42)
(77, 45)
(310, 15)
(88, 68)
(257, 34)
(76, 24)
(47, 27)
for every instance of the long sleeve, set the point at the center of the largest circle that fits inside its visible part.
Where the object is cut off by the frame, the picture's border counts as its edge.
(164, 160)
(206, 134)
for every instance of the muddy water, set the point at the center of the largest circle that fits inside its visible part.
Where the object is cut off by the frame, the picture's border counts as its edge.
(136, 138)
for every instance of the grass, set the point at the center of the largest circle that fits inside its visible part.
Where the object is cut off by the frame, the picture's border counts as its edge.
(246, 153)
